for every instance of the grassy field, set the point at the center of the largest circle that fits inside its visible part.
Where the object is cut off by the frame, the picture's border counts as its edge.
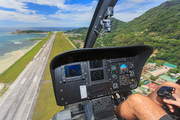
(46, 105)
(13, 72)
(61, 44)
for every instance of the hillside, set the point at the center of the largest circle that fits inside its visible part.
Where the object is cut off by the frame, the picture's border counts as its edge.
(159, 27)
(82, 30)
(164, 19)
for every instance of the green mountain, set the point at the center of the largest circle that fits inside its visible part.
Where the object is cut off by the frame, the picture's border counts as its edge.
(159, 27)
(82, 30)
(164, 19)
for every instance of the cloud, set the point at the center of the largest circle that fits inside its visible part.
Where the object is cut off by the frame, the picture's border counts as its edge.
(127, 16)
(78, 12)
(72, 13)
(125, 6)
(16, 5)
(69, 14)
(137, 1)
(127, 10)
(61, 4)
(14, 16)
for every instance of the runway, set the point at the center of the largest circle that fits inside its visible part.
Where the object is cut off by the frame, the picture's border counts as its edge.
(20, 97)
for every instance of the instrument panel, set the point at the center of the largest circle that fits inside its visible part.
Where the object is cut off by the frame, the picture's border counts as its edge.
(116, 73)
(93, 73)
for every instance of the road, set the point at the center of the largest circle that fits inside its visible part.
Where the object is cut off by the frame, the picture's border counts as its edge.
(20, 97)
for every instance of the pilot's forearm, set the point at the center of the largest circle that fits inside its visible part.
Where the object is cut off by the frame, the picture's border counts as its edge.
(139, 106)
(123, 110)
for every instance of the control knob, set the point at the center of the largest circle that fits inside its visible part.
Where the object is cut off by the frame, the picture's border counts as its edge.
(115, 85)
(114, 76)
(132, 73)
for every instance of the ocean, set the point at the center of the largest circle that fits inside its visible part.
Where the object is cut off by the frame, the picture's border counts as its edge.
(11, 42)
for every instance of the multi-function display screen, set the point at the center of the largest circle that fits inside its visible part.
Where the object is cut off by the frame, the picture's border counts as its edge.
(97, 75)
(72, 71)
(96, 63)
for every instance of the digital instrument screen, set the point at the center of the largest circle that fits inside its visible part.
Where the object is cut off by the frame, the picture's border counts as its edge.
(97, 75)
(96, 63)
(72, 71)
(123, 67)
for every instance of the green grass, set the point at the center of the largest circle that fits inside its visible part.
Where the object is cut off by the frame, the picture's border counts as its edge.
(46, 105)
(10, 75)
(61, 44)
(34, 39)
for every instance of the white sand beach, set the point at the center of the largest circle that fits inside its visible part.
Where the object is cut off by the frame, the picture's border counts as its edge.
(10, 58)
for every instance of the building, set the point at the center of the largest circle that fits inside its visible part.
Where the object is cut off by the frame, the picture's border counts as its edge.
(142, 89)
(151, 64)
(148, 67)
(146, 82)
(145, 86)
(169, 66)
(174, 75)
(152, 86)
(160, 81)
(168, 78)
(158, 72)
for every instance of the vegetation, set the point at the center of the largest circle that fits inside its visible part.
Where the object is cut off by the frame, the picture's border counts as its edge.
(82, 30)
(61, 44)
(141, 83)
(159, 27)
(81, 34)
(46, 105)
(33, 39)
(10, 75)
(153, 78)
(28, 32)
(71, 39)
(174, 71)
(77, 34)
(155, 83)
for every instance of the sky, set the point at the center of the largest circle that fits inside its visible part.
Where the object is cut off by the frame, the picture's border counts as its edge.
(65, 13)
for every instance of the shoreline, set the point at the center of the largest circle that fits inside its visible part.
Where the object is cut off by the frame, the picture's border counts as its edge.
(10, 58)
(23, 33)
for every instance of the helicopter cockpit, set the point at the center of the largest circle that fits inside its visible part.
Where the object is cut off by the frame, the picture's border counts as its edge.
(89, 82)
(94, 75)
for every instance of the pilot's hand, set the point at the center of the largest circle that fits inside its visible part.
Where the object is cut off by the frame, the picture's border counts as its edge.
(173, 102)
(168, 102)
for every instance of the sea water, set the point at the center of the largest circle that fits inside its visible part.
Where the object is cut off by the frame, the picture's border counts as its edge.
(12, 42)
(12, 46)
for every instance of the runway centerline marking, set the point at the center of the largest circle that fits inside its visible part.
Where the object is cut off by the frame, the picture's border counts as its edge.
(22, 82)
(35, 79)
